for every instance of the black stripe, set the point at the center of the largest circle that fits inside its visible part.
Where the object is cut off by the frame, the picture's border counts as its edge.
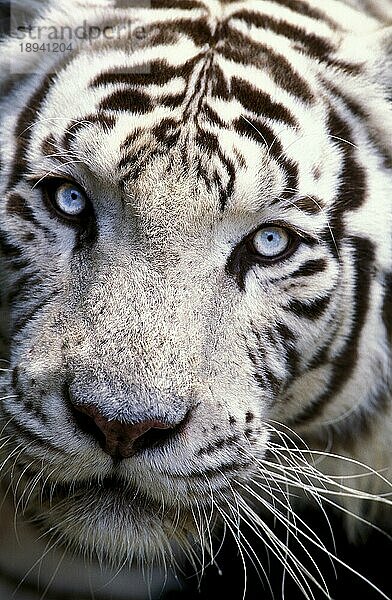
(169, 32)
(301, 7)
(86, 234)
(136, 162)
(27, 404)
(49, 146)
(239, 264)
(167, 134)
(213, 117)
(344, 364)
(285, 332)
(28, 237)
(133, 3)
(240, 158)
(387, 306)
(171, 100)
(131, 160)
(310, 205)
(360, 424)
(156, 72)
(262, 134)
(9, 249)
(24, 131)
(304, 8)
(273, 382)
(218, 445)
(127, 101)
(208, 142)
(176, 4)
(257, 334)
(219, 83)
(255, 100)
(353, 178)
(29, 436)
(311, 310)
(17, 205)
(15, 377)
(310, 268)
(263, 375)
(312, 44)
(257, 374)
(16, 265)
(322, 353)
(232, 467)
(288, 339)
(21, 323)
(105, 121)
(239, 48)
(249, 417)
(20, 288)
(363, 115)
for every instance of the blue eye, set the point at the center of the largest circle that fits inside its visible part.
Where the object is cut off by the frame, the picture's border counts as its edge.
(271, 241)
(70, 200)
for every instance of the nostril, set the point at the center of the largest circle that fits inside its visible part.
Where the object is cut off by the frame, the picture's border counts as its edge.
(87, 424)
(154, 437)
(160, 434)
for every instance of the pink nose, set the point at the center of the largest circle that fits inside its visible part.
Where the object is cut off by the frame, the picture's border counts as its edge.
(121, 440)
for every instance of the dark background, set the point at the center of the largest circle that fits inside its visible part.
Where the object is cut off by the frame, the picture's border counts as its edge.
(4, 17)
(372, 559)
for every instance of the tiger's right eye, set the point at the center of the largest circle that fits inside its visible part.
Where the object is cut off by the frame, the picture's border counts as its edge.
(66, 198)
(70, 200)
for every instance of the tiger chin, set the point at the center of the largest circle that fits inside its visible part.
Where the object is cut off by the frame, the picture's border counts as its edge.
(196, 281)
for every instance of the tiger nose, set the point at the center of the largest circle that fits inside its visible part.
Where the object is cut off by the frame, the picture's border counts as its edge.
(121, 440)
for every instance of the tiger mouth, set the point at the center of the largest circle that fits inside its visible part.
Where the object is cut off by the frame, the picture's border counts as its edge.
(111, 485)
(114, 496)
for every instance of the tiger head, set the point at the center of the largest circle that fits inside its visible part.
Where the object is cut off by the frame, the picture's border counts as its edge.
(195, 230)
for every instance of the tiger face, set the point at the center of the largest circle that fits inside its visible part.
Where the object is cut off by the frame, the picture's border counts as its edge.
(196, 241)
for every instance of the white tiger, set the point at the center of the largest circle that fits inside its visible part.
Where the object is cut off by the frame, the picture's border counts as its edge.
(196, 244)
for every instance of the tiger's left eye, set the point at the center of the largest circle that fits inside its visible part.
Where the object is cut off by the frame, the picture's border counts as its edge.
(271, 241)
(70, 200)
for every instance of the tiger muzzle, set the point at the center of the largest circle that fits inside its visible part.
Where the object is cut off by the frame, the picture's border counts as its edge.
(127, 430)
